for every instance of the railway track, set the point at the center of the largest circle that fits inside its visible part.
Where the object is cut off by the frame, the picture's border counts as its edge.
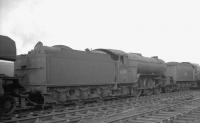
(185, 111)
(110, 111)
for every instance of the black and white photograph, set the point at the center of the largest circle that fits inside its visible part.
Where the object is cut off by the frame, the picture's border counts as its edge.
(99, 61)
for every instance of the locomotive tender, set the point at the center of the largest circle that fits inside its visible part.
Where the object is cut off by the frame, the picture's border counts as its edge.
(185, 74)
(60, 74)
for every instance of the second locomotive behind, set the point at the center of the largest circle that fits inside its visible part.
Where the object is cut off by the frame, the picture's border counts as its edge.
(58, 74)
(184, 74)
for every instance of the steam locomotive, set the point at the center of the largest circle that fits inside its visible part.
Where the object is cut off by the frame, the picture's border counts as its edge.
(60, 74)
(63, 74)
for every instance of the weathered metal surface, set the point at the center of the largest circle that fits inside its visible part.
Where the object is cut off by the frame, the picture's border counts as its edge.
(124, 72)
(7, 48)
(66, 67)
(147, 65)
(197, 72)
(181, 71)
(113, 52)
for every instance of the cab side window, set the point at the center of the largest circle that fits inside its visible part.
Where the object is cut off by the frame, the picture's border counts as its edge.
(122, 59)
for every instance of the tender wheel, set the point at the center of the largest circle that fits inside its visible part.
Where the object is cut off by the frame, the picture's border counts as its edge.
(7, 105)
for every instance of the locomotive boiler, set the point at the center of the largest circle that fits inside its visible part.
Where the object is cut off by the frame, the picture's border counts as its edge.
(151, 72)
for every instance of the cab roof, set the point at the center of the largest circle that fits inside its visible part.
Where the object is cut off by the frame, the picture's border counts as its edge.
(7, 48)
(113, 52)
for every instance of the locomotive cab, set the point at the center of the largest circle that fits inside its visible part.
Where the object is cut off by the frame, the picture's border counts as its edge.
(125, 75)
(121, 64)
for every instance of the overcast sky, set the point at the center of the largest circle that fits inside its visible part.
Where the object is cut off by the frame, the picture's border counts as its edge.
(169, 29)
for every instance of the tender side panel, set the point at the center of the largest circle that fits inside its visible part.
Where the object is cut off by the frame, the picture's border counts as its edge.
(32, 69)
(181, 72)
(185, 72)
(37, 72)
(19, 72)
(80, 68)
